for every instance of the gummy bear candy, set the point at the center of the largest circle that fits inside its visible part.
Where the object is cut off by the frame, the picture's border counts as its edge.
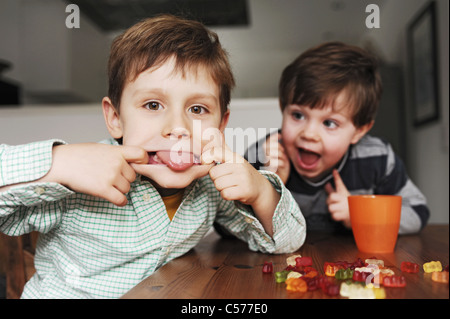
(394, 281)
(432, 266)
(310, 273)
(303, 261)
(331, 268)
(379, 292)
(290, 261)
(378, 279)
(267, 268)
(346, 286)
(440, 276)
(311, 282)
(280, 276)
(296, 285)
(294, 274)
(361, 275)
(331, 289)
(357, 263)
(349, 288)
(378, 262)
(407, 266)
(344, 274)
(323, 281)
(362, 293)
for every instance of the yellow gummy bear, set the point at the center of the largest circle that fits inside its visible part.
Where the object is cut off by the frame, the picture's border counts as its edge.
(432, 266)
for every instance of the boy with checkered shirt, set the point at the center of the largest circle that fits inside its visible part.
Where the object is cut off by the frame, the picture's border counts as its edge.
(112, 213)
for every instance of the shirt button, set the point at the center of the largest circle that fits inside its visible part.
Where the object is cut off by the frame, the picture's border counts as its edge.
(146, 197)
(248, 220)
(39, 190)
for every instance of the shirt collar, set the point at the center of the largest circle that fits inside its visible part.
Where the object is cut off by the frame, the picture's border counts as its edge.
(327, 178)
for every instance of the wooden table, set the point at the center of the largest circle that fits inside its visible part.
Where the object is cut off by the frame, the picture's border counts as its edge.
(225, 268)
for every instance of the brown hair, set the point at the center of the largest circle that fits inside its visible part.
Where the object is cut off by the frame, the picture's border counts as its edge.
(154, 40)
(321, 73)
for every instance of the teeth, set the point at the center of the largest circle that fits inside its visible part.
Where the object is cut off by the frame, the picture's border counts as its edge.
(154, 158)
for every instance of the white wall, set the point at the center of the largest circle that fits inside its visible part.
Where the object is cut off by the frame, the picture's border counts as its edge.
(71, 123)
(428, 146)
(50, 61)
(279, 31)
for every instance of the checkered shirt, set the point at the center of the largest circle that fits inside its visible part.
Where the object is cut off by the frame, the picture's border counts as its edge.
(90, 248)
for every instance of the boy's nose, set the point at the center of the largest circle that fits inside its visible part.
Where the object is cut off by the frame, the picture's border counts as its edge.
(179, 133)
(310, 133)
(176, 127)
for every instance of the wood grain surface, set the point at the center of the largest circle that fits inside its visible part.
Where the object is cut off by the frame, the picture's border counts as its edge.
(220, 268)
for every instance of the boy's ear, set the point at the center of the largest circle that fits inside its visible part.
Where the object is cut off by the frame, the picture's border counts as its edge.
(112, 118)
(361, 131)
(224, 121)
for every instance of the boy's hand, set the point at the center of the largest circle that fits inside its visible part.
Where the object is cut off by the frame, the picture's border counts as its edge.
(337, 200)
(96, 169)
(277, 160)
(236, 179)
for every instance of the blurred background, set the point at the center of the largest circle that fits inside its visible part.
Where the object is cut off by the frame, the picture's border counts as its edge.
(52, 78)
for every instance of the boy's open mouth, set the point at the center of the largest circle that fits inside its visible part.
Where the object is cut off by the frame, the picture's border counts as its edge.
(176, 160)
(308, 159)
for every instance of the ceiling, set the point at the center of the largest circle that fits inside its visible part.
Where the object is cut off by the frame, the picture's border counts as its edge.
(114, 15)
(287, 22)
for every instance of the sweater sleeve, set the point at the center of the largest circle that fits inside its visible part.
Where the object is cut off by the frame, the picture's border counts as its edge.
(415, 212)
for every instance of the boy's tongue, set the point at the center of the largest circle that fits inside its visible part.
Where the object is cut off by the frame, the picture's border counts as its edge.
(178, 161)
(308, 158)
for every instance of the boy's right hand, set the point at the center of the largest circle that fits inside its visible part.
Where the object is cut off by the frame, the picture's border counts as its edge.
(96, 169)
(277, 159)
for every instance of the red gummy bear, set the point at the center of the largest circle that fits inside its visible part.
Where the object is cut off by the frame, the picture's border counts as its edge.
(407, 266)
(267, 268)
(311, 282)
(303, 261)
(394, 281)
(332, 290)
(361, 276)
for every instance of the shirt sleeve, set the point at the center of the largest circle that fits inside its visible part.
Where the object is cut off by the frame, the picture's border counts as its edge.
(415, 212)
(29, 206)
(289, 227)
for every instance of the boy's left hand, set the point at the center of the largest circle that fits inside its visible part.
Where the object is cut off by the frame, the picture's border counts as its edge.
(236, 179)
(337, 200)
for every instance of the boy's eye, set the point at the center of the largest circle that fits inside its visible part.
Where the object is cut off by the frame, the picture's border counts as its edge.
(197, 109)
(330, 124)
(297, 115)
(153, 106)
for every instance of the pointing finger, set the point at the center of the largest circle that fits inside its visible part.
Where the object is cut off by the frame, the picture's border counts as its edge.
(340, 186)
(328, 188)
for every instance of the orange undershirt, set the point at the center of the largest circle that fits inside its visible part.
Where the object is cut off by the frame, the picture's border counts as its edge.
(172, 203)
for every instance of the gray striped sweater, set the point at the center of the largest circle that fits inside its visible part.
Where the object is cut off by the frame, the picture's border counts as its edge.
(368, 167)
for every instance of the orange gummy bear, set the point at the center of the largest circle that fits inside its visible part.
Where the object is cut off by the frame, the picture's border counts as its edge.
(440, 276)
(296, 285)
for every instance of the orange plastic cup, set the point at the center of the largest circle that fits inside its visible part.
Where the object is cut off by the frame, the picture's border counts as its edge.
(375, 221)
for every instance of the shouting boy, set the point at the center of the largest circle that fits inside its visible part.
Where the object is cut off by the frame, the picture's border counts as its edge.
(329, 97)
(110, 214)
